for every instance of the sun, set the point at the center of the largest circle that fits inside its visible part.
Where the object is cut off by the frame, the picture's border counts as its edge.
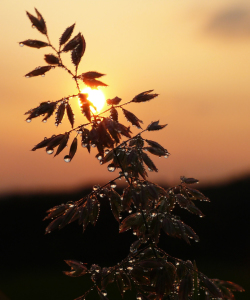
(96, 97)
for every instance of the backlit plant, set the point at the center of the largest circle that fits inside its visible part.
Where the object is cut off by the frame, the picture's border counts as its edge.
(144, 206)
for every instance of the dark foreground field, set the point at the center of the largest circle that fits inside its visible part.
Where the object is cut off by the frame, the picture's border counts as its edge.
(31, 263)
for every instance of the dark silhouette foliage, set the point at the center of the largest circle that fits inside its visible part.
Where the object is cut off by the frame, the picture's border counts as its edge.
(144, 207)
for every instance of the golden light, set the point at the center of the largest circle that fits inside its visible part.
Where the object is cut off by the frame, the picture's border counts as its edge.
(96, 97)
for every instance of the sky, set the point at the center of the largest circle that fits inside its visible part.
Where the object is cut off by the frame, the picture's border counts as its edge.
(194, 54)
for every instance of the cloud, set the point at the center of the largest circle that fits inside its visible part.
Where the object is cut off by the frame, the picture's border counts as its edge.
(232, 23)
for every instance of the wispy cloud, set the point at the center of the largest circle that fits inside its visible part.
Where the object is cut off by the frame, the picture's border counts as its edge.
(231, 23)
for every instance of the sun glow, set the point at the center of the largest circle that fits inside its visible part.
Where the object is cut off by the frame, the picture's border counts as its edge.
(96, 97)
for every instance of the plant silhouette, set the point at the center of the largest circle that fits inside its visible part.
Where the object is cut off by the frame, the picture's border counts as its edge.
(144, 207)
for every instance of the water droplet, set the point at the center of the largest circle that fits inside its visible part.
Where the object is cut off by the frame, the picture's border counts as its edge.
(28, 120)
(45, 121)
(99, 157)
(126, 173)
(111, 167)
(120, 217)
(95, 187)
(134, 233)
(21, 44)
(27, 76)
(33, 26)
(104, 292)
(150, 170)
(84, 145)
(113, 185)
(130, 211)
(49, 150)
(67, 158)
(93, 145)
(106, 151)
(166, 156)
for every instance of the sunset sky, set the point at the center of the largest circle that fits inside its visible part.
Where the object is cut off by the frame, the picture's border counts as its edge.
(195, 54)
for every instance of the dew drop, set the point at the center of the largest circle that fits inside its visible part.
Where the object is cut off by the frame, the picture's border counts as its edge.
(84, 145)
(126, 173)
(93, 145)
(104, 292)
(67, 158)
(166, 156)
(28, 120)
(45, 121)
(27, 76)
(42, 75)
(99, 157)
(113, 185)
(95, 187)
(120, 217)
(130, 211)
(49, 151)
(111, 167)
(21, 44)
(106, 151)
(33, 26)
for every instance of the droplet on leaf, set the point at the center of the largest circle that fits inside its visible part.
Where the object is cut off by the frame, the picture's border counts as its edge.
(49, 151)
(67, 158)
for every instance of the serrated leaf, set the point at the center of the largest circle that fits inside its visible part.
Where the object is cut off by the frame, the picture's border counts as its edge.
(43, 108)
(62, 144)
(73, 148)
(114, 114)
(42, 144)
(78, 51)
(123, 129)
(128, 222)
(70, 115)
(115, 201)
(148, 162)
(51, 59)
(56, 211)
(55, 224)
(155, 151)
(39, 22)
(155, 126)
(77, 268)
(194, 209)
(34, 44)
(93, 83)
(185, 288)
(67, 217)
(66, 35)
(60, 113)
(72, 43)
(132, 118)
(144, 96)
(155, 145)
(189, 180)
(91, 75)
(114, 101)
(42, 22)
(213, 289)
(38, 71)
(94, 213)
(55, 141)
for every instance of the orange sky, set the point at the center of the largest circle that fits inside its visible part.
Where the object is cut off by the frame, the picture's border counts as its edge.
(194, 54)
